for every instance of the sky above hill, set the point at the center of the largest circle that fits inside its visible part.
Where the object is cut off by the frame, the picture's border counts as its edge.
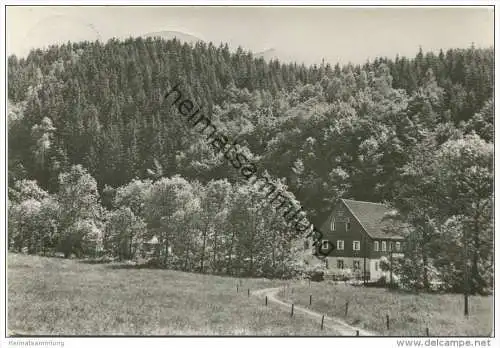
(305, 34)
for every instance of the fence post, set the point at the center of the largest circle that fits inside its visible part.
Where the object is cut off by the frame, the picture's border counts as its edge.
(322, 321)
(346, 308)
(291, 314)
(248, 292)
(266, 300)
(310, 299)
(357, 332)
(309, 282)
(237, 289)
(427, 331)
(387, 320)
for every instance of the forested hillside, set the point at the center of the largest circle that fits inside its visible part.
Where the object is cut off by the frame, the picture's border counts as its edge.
(414, 132)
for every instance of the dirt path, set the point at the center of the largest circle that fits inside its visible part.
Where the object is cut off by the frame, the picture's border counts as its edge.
(340, 327)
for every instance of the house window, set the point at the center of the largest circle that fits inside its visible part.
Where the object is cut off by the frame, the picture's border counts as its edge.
(375, 246)
(356, 245)
(340, 264)
(324, 244)
(384, 246)
(390, 246)
(332, 224)
(355, 265)
(398, 246)
(347, 225)
(340, 245)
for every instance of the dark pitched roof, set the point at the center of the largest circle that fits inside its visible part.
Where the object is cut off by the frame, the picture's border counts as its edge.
(375, 219)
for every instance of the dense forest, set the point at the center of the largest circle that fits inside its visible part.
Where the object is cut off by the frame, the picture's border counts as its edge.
(98, 163)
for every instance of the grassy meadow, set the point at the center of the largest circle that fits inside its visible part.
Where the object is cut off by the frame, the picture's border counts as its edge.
(54, 296)
(409, 314)
(68, 297)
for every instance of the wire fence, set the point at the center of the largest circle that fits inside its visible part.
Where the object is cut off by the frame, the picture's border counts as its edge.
(341, 309)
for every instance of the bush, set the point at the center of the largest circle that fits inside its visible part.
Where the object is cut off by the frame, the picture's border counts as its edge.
(315, 272)
(343, 274)
(382, 281)
(316, 276)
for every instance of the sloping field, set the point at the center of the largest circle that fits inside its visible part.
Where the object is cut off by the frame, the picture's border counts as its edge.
(68, 297)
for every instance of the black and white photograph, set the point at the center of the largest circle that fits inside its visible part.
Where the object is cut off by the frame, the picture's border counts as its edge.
(250, 170)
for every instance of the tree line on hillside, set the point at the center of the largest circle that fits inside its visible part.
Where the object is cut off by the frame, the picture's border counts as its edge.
(218, 228)
(416, 133)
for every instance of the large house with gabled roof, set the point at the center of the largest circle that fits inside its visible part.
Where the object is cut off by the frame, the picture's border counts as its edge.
(361, 233)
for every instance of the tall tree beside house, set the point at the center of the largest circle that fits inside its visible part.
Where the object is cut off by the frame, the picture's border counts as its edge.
(416, 201)
(464, 172)
(447, 195)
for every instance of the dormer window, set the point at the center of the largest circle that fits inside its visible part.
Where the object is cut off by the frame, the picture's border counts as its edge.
(347, 225)
(332, 224)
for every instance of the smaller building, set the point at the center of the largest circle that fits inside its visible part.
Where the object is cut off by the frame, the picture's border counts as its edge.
(151, 247)
(361, 234)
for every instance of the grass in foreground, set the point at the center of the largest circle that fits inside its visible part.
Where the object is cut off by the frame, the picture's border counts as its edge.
(409, 314)
(67, 297)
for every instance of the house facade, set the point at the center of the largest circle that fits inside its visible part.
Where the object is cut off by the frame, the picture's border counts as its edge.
(361, 233)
